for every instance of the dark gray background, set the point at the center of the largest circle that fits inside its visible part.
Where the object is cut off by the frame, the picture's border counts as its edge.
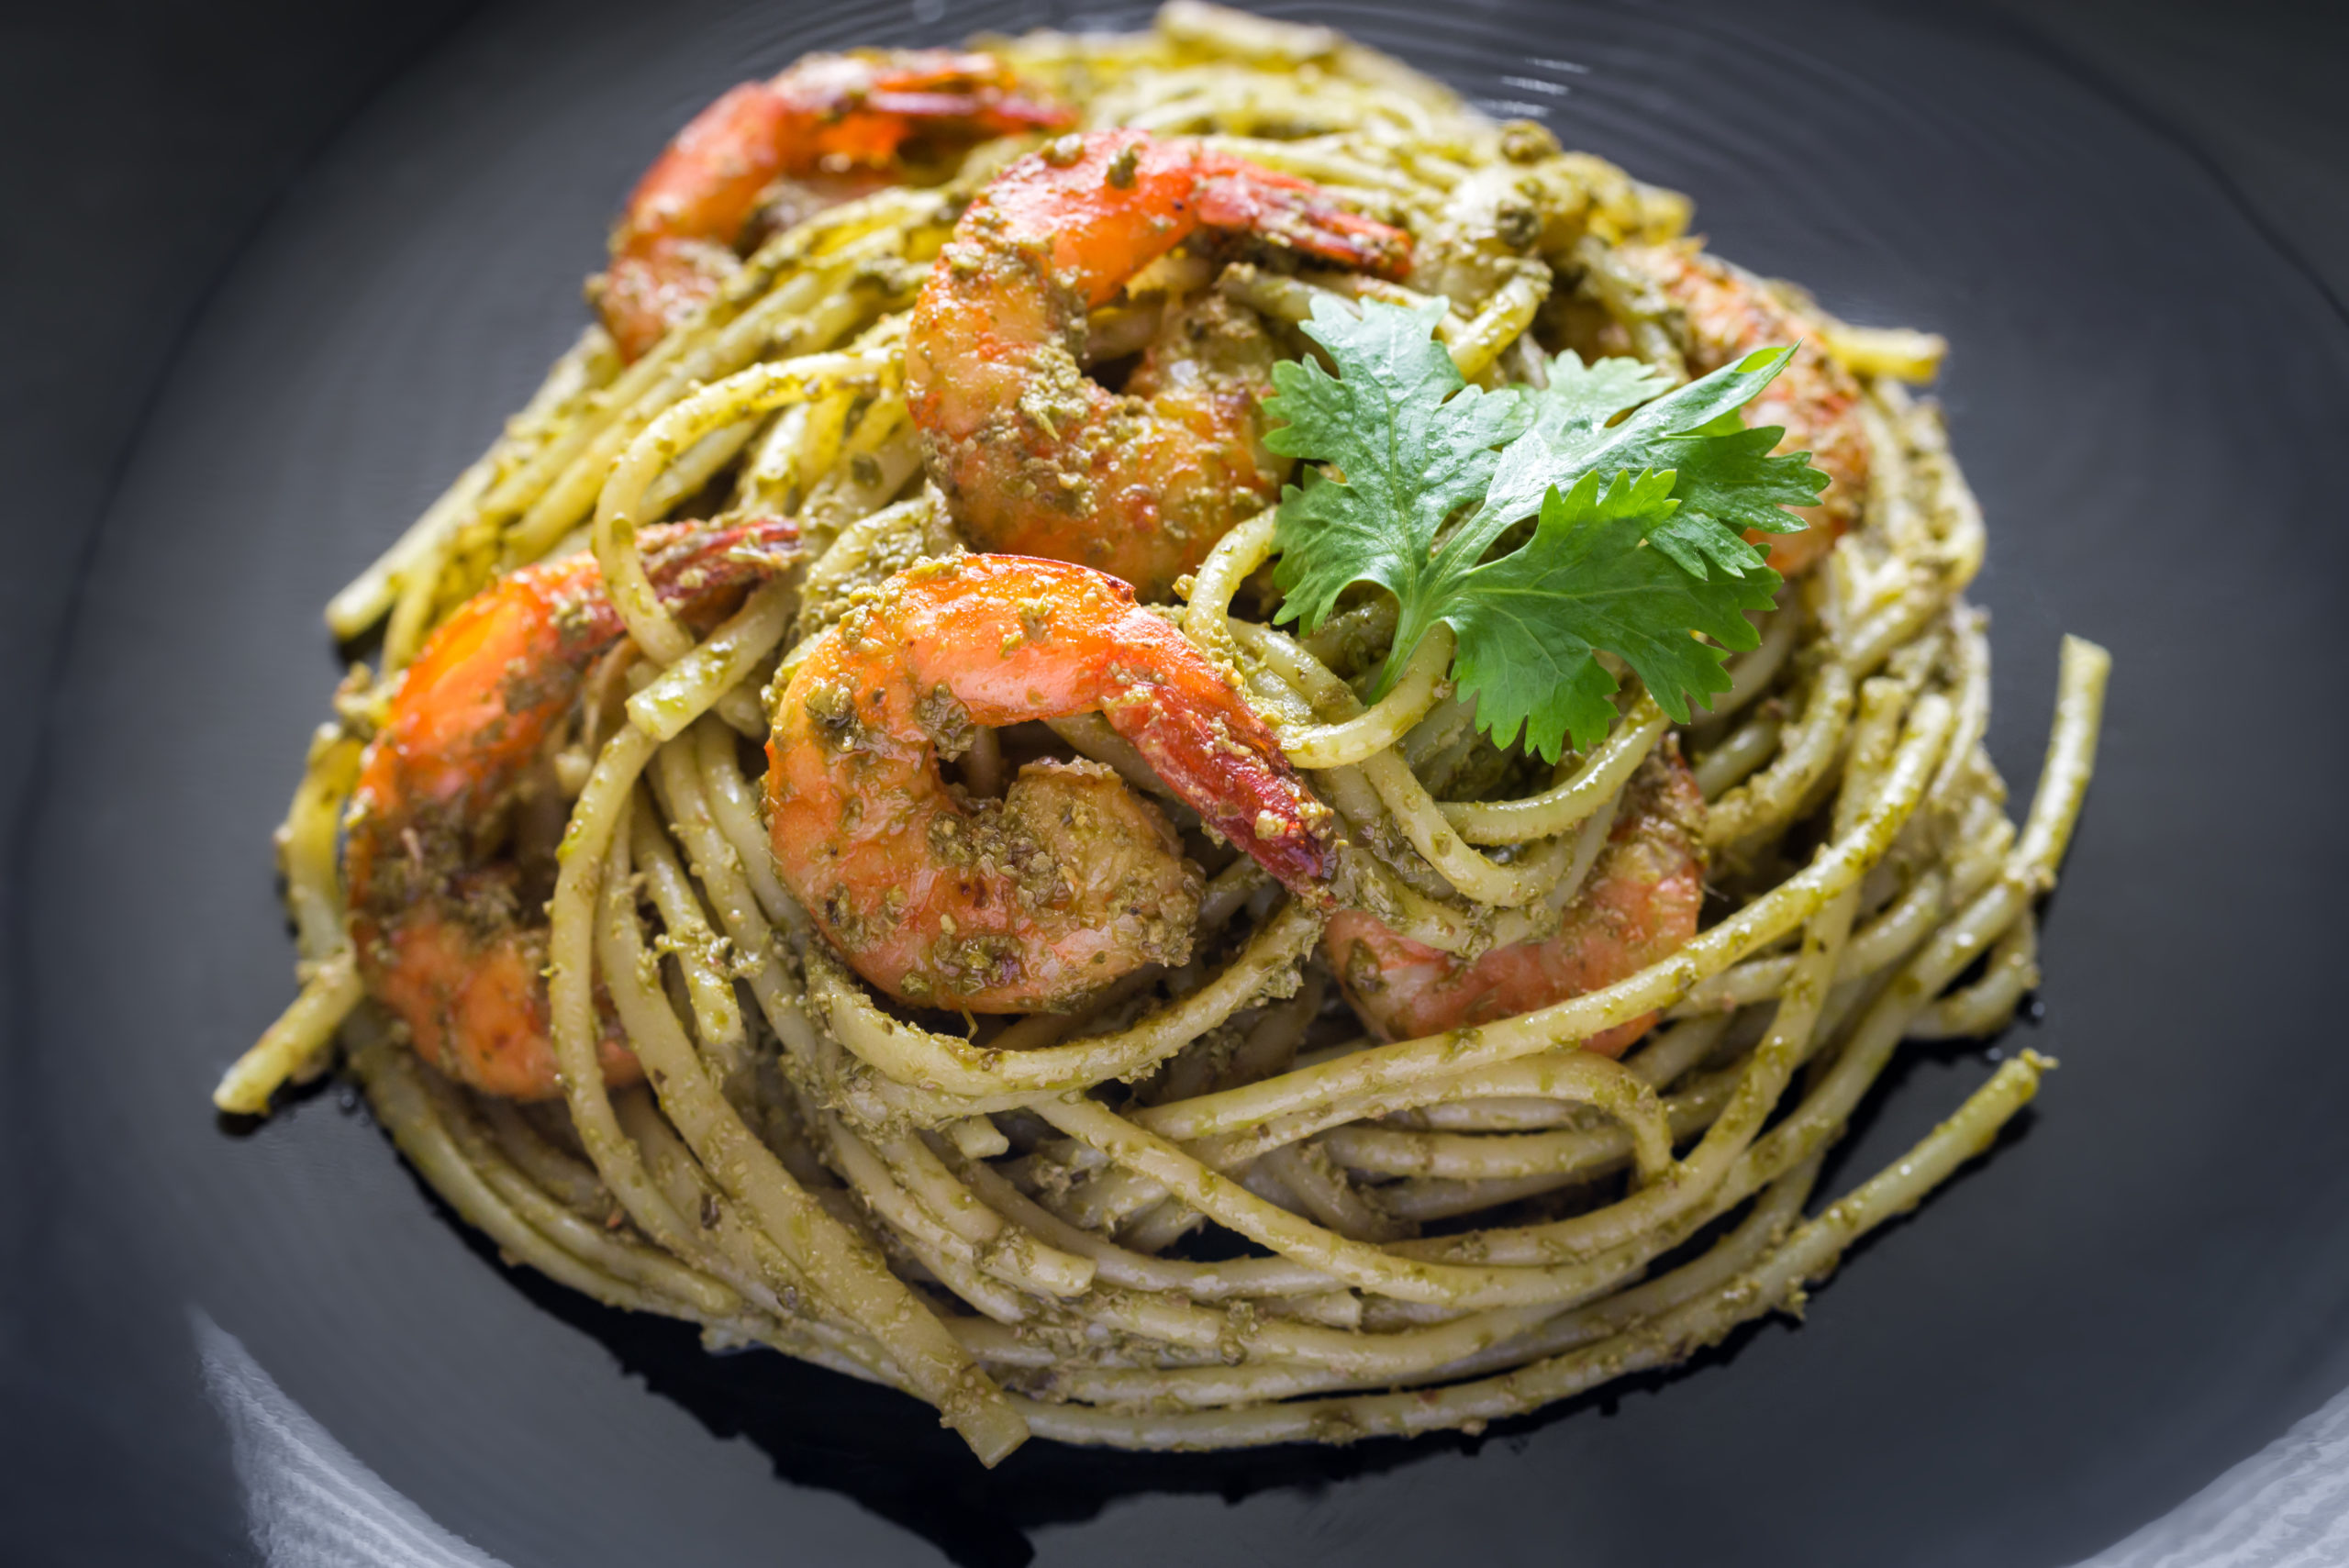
(172, 179)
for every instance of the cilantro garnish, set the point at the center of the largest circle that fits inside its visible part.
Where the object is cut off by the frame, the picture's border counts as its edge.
(1636, 541)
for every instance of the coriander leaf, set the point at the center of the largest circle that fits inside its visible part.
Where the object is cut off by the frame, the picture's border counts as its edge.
(1727, 481)
(1528, 622)
(1414, 442)
(1580, 399)
(1635, 552)
(1589, 395)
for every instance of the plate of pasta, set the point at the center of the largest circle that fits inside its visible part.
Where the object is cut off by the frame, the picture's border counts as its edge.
(1177, 753)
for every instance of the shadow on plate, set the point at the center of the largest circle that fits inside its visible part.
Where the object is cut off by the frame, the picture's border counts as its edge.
(889, 1454)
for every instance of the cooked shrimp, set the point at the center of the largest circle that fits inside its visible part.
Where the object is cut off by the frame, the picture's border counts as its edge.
(1639, 903)
(445, 934)
(838, 119)
(1037, 901)
(1730, 313)
(1038, 459)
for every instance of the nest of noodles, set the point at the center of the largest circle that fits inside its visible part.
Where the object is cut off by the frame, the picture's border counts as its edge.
(1208, 1210)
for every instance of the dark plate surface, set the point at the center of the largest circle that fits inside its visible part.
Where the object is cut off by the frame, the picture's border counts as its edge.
(2148, 1280)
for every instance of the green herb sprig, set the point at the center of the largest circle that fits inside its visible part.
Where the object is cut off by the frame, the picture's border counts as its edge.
(1635, 544)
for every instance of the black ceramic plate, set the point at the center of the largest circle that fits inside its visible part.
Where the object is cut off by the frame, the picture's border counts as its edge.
(2146, 1281)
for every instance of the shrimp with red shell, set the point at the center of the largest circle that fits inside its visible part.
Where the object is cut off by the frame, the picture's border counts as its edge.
(1038, 459)
(445, 933)
(1729, 314)
(842, 120)
(1638, 904)
(1037, 901)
